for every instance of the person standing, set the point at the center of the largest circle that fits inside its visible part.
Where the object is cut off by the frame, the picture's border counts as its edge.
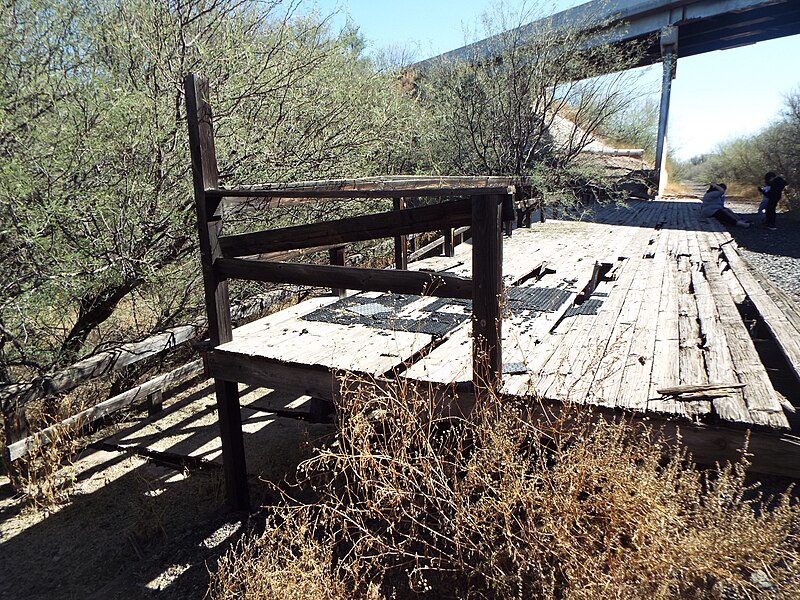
(776, 186)
(763, 191)
(507, 214)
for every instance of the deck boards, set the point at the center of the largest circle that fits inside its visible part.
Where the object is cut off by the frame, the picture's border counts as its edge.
(664, 315)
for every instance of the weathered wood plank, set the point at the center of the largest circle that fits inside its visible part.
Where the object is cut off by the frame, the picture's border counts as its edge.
(205, 176)
(716, 349)
(400, 241)
(354, 229)
(134, 396)
(378, 280)
(666, 362)
(102, 363)
(303, 379)
(336, 257)
(428, 249)
(781, 329)
(376, 187)
(639, 364)
(487, 289)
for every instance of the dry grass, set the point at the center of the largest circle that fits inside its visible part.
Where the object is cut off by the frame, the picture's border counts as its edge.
(504, 505)
(45, 476)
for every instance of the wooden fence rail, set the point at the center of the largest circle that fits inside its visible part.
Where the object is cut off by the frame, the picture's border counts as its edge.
(15, 397)
(76, 423)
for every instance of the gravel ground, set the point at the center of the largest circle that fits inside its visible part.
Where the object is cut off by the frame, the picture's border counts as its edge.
(776, 254)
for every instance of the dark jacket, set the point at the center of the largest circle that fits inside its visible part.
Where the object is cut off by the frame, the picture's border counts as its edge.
(507, 208)
(713, 201)
(776, 187)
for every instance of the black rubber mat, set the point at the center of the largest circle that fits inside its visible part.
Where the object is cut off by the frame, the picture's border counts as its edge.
(382, 312)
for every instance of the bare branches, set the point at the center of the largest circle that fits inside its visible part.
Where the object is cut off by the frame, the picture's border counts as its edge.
(503, 110)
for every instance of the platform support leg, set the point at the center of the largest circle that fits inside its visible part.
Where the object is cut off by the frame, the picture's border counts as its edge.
(487, 289)
(230, 427)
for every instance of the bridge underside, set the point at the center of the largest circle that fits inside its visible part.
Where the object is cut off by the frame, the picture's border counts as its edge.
(698, 34)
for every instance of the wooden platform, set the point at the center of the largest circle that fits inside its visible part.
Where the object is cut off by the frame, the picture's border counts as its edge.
(606, 310)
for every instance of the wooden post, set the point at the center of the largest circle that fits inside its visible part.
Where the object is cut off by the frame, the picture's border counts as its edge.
(209, 222)
(400, 241)
(155, 402)
(449, 242)
(487, 272)
(337, 257)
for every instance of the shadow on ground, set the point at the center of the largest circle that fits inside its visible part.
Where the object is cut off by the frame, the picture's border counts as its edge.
(138, 529)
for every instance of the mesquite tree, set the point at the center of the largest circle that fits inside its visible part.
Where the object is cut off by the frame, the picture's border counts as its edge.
(97, 225)
(746, 159)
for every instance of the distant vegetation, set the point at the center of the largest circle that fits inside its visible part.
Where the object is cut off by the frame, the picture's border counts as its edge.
(97, 225)
(745, 160)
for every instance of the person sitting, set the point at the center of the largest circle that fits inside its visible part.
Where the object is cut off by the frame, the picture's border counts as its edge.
(714, 206)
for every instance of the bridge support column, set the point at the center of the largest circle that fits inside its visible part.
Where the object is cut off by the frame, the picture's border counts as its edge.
(669, 54)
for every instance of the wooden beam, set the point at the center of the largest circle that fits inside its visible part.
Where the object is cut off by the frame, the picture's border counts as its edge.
(487, 272)
(780, 328)
(295, 254)
(400, 241)
(205, 176)
(428, 249)
(374, 280)
(397, 186)
(155, 403)
(353, 229)
(14, 397)
(86, 417)
(314, 381)
(102, 363)
(449, 242)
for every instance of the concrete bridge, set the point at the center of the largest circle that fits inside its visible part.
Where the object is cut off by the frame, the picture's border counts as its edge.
(668, 28)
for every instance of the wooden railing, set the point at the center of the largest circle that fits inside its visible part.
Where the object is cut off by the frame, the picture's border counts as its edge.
(472, 201)
(15, 398)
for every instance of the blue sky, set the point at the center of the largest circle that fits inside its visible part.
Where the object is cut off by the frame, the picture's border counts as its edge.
(715, 97)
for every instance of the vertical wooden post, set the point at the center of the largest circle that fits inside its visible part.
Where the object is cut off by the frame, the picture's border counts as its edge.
(155, 403)
(336, 256)
(400, 241)
(209, 222)
(487, 281)
(449, 242)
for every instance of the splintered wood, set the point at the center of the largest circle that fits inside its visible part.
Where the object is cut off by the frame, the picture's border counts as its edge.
(633, 307)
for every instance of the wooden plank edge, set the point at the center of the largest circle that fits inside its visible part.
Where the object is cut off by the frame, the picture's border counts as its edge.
(84, 418)
(354, 278)
(767, 309)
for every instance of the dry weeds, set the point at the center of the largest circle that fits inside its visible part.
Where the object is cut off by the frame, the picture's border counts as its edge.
(507, 504)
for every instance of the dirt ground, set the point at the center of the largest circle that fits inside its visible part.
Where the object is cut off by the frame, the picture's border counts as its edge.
(137, 524)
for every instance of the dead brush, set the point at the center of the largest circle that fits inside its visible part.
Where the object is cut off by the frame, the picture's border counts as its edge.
(518, 501)
(45, 475)
(285, 562)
